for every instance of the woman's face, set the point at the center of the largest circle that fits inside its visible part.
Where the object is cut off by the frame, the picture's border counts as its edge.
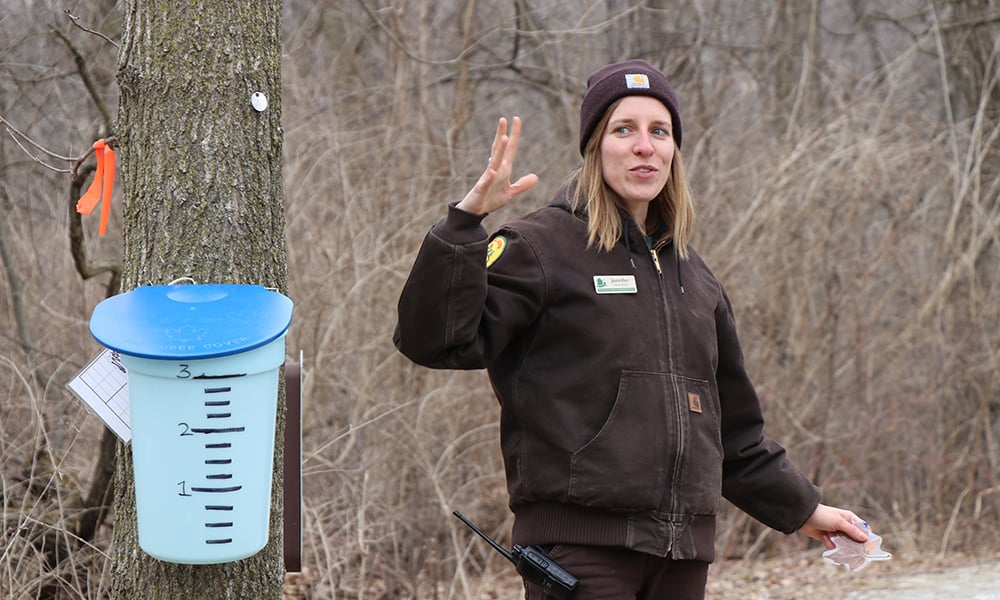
(637, 148)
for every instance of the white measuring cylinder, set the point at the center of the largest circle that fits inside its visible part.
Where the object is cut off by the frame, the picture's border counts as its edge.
(203, 363)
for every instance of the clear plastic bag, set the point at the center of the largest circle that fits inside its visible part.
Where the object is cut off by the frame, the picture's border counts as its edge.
(853, 555)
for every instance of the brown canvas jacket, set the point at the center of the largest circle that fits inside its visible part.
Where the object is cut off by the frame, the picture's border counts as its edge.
(625, 416)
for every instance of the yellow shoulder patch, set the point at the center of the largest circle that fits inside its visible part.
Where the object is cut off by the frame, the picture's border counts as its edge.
(495, 249)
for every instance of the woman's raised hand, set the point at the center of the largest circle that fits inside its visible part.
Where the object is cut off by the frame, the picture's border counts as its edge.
(494, 189)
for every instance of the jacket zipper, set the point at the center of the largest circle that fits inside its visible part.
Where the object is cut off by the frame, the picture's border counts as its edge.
(656, 262)
(678, 426)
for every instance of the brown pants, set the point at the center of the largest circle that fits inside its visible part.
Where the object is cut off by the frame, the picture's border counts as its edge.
(608, 573)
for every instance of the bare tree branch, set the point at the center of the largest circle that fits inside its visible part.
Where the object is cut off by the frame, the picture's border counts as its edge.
(16, 298)
(88, 81)
(76, 21)
(16, 133)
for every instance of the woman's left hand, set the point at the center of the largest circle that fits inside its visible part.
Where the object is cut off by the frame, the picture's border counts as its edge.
(827, 520)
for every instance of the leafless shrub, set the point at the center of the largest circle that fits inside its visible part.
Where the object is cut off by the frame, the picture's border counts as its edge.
(848, 188)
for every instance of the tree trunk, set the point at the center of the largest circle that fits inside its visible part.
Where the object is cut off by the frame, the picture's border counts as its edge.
(202, 189)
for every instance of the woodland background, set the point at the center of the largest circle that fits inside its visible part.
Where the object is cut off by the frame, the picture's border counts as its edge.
(844, 159)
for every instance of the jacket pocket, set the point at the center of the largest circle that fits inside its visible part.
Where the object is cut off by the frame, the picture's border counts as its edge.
(701, 479)
(625, 465)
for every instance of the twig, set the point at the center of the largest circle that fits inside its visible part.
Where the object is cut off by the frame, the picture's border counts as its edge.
(27, 138)
(14, 281)
(14, 133)
(111, 141)
(76, 21)
(32, 156)
(88, 81)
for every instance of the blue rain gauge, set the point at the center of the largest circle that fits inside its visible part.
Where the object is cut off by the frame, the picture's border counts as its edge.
(203, 363)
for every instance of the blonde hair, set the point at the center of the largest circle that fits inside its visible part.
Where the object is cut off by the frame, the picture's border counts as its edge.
(674, 205)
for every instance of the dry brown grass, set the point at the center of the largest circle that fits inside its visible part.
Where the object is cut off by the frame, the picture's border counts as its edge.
(857, 237)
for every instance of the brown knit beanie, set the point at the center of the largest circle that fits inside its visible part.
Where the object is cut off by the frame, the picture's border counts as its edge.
(630, 78)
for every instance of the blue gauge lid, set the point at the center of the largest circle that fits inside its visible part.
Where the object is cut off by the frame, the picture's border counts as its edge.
(191, 321)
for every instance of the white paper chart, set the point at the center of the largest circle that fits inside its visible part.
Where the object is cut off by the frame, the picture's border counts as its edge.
(103, 386)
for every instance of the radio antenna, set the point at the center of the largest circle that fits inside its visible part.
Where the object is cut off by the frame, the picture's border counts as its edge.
(495, 545)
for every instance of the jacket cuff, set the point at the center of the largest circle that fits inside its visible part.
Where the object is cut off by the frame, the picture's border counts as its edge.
(814, 504)
(460, 227)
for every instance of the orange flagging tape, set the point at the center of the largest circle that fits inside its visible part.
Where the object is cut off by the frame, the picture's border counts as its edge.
(100, 188)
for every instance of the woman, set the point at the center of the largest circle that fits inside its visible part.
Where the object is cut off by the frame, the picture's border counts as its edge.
(626, 411)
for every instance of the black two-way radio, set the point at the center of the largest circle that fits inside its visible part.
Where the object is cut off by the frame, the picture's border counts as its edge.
(534, 565)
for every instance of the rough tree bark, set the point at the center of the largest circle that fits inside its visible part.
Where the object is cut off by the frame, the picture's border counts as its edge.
(201, 177)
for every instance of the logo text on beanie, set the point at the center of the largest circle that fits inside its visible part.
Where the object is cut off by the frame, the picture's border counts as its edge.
(636, 80)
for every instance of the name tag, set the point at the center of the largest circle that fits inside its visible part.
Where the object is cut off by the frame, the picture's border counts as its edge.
(614, 284)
